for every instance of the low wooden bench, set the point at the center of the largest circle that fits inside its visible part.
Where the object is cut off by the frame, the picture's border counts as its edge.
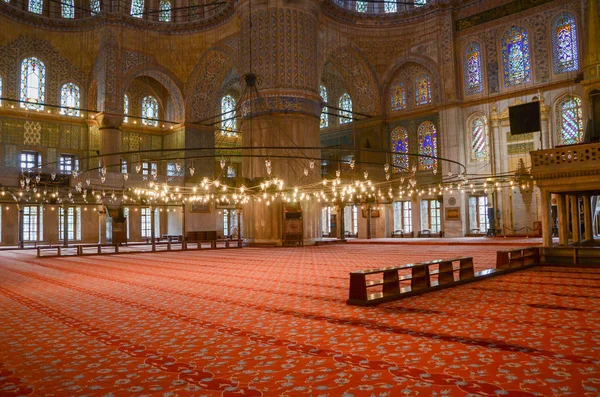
(420, 280)
(508, 259)
(401, 233)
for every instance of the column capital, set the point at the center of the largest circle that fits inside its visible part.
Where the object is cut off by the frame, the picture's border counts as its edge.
(109, 120)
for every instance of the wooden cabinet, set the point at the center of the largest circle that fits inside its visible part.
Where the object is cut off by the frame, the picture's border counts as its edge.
(293, 226)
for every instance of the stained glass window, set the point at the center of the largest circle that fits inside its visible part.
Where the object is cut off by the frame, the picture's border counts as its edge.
(398, 96)
(420, 3)
(94, 7)
(390, 6)
(400, 145)
(70, 100)
(67, 8)
(472, 65)
(36, 6)
(165, 11)
(125, 108)
(478, 127)
(228, 122)
(569, 120)
(427, 146)
(33, 83)
(564, 43)
(423, 90)
(345, 103)
(361, 6)
(324, 115)
(150, 111)
(0, 91)
(515, 57)
(137, 8)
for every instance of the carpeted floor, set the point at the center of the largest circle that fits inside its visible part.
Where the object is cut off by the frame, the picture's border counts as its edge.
(274, 322)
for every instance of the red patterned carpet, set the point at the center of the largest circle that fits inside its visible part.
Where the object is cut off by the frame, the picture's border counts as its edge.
(274, 322)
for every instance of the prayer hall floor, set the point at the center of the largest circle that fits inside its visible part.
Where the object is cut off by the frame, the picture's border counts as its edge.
(273, 322)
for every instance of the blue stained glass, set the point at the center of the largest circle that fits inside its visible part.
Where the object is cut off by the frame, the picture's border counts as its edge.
(361, 6)
(150, 111)
(33, 83)
(228, 122)
(479, 139)
(398, 96)
(345, 103)
(67, 8)
(36, 6)
(390, 6)
(427, 146)
(165, 11)
(423, 90)
(472, 65)
(324, 115)
(569, 120)
(137, 8)
(70, 100)
(400, 145)
(94, 7)
(125, 108)
(564, 43)
(420, 3)
(515, 57)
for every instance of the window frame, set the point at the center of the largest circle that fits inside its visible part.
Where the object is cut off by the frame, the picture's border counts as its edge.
(37, 162)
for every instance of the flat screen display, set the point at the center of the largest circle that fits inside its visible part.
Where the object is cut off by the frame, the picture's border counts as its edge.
(524, 118)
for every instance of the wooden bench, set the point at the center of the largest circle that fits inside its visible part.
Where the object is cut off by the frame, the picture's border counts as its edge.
(508, 259)
(427, 233)
(420, 280)
(172, 237)
(402, 233)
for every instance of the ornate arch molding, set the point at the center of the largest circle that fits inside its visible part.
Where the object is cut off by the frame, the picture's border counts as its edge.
(58, 69)
(167, 79)
(205, 82)
(359, 77)
(427, 64)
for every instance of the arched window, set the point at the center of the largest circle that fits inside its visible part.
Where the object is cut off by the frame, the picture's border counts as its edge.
(324, 115)
(150, 111)
(569, 120)
(125, 108)
(345, 103)
(398, 96)
(228, 122)
(390, 6)
(94, 7)
(137, 8)
(70, 100)
(478, 140)
(427, 146)
(423, 90)
(165, 11)
(400, 145)
(564, 43)
(515, 57)
(33, 83)
(361, 6)
(67, 8)
(36, 6)
(472, 65)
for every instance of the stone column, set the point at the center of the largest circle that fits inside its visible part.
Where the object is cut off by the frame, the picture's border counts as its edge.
(546, 218)
(21, 217)
(102, 226)
(342, 221)
(110, 141)
(587, 218)
(545, 118)
(286, 115)
(65, 222)
(563, 226)
(575, 225)
(152, 225)
(183, 241)
(369, 222)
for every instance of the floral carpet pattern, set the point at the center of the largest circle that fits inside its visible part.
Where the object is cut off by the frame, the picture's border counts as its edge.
(273, 322)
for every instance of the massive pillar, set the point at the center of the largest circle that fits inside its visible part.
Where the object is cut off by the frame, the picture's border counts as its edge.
(279, 47)
(587, 218)
(546, 218)
(575, 225)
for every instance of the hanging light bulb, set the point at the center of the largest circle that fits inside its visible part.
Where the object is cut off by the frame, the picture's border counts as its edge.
(305, 171)
(337, 173)
(269, 170)
(138, 168)
(387, 176)
(70, 194)
(38, 178)
(386, 167)
(22, 182)
(192, 171)
(366, 174)
(268, 163)
(53, 175)
(352, 163)
(102, 178)
(178, 166)
(103, 170)
(222, 163)
(75, 174)
(311, 164)
(125, 176)
(27, 180)
(435, 171)
(87, 181)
